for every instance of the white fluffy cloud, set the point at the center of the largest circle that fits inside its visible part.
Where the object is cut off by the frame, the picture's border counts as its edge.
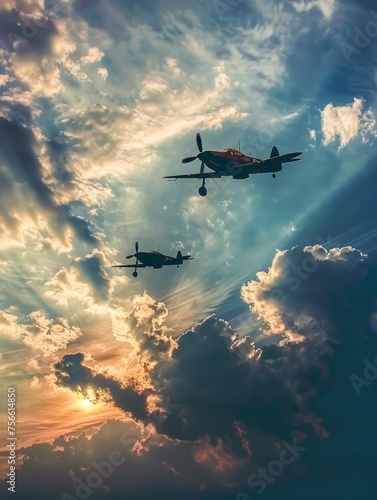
(94, 55)
(38, 332)
(327, 7)
(103, 73)
(347, 122)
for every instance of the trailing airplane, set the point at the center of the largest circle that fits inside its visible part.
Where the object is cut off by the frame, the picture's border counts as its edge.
(154, 259)
(233, 163)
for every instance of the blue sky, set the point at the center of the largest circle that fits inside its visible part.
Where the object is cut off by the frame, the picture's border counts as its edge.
(100, 100)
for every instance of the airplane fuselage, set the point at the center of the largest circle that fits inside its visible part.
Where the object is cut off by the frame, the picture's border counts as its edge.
(156, 259)
(230, 164)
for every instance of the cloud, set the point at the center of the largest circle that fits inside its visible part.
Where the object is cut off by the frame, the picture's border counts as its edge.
(260, 396)
(39, 333)
(347, 122)
(103, 73)
(70, 372)
(284, 297)
(35, 383)
(78, 182)
(29, 199)
(326, 7)
(48, 336)
(94, 55)
(3, 79)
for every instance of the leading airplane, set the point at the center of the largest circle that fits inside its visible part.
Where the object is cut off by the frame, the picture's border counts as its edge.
(233, 163)
(154, 259)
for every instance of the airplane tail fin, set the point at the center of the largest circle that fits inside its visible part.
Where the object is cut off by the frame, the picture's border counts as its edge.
(280, 159)
(274, 152)
(183, 257)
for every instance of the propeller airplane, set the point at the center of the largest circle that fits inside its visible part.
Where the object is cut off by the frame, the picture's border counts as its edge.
(231, 162)
(154, 259)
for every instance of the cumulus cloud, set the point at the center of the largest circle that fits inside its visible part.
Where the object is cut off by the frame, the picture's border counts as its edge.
(39, 333)
(284, 297)
(94, 55)
(103, 73)
(233, 403)
(347, 123)
(72, 373)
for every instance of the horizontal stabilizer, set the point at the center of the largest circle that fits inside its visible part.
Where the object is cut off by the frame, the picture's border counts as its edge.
(281, 159)
(293, 159)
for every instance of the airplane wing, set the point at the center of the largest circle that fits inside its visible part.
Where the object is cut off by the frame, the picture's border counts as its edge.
(203, 175)
(173, 261)
(131, 265)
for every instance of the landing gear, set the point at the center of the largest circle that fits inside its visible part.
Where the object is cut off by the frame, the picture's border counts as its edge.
(273, 176)
(134, 274)
(203, 189)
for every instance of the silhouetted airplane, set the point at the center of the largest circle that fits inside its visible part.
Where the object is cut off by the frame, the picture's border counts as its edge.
(154, 259)
(231, 162)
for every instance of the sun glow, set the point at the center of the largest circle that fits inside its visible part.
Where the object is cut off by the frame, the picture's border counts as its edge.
(89, 399)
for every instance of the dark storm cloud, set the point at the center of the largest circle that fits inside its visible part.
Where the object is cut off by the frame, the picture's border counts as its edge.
(266, 390)
(72, 373)
(235, 404)
(218, 385)
(151, 475)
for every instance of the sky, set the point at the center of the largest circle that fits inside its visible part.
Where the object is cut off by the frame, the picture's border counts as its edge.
(249, 371)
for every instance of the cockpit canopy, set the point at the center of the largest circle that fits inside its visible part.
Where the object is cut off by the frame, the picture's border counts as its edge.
(233, 152)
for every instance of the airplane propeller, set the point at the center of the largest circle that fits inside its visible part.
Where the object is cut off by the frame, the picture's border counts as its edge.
(136, 251)
(202, 190)
(134, 274)
(200, 147)
(189, 159)
(199, 142)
